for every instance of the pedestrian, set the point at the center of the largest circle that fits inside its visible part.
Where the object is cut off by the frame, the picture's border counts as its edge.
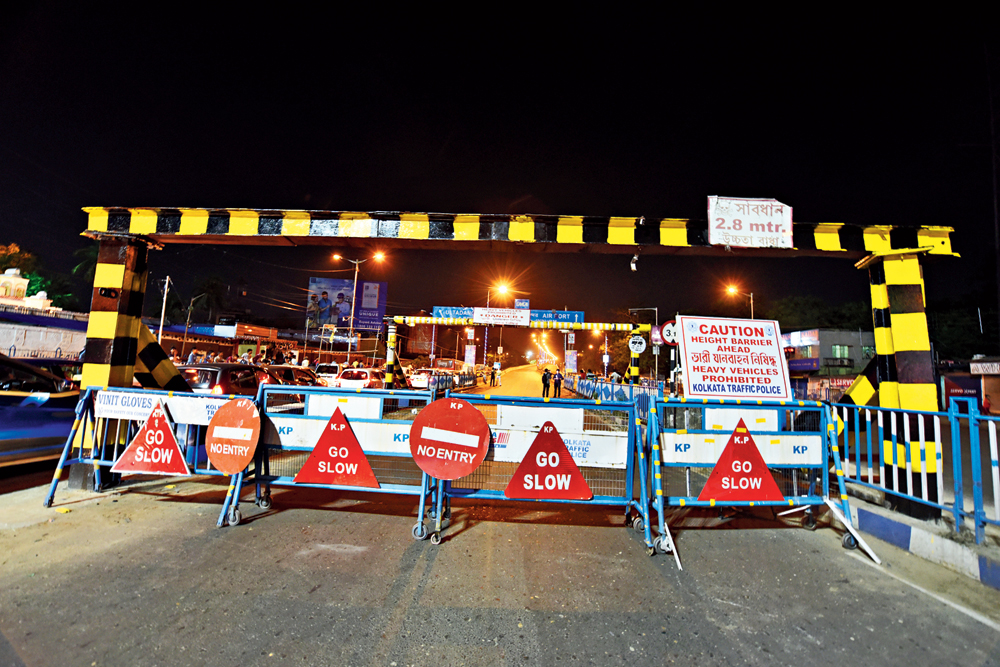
(173, 354)
(493, 377)
(193, 356)
(987, 406)
(557, 384)
(615, 377)
(546, 380)
(279, 357)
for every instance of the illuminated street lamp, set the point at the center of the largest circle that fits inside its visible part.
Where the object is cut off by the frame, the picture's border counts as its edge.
(733, 290)
(502, 289)
(378, 257)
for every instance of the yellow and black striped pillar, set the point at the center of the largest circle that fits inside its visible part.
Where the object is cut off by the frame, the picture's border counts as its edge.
(633, 369)
(904, 365)
(115, 313)
(390, 355)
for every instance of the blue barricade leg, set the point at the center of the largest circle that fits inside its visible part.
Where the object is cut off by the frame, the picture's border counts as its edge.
(81, 418)
(419, 529)
(234, 482)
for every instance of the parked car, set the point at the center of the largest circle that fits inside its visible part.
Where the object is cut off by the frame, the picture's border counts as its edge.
(298, 375)
(241, 379)
(68, 369)
(360, 378)
(37, 409)
(420, 377)
(328, 372)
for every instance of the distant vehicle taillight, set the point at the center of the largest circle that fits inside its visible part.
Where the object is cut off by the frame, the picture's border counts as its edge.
(217, 389)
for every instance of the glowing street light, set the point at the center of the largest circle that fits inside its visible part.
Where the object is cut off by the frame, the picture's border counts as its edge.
(501, 289)
(733, 291)
(378, 257)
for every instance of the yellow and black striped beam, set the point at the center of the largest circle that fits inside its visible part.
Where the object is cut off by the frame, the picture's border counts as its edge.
(864, 390)
(550, 233)
(115, 311)
(153, 368)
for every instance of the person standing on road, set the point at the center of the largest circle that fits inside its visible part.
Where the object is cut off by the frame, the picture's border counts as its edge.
(493, 377)
(546, 379)
(557, 384)
(193, 356)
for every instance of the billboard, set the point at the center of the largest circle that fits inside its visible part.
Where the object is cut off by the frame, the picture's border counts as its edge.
(330, 299)
(419, 341)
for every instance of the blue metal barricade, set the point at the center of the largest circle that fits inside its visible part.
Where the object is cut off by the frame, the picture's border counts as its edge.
(604, 439)
(795, 441)
(107, 419)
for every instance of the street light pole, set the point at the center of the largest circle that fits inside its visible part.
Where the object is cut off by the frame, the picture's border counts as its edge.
(733, 290)
(357, 265)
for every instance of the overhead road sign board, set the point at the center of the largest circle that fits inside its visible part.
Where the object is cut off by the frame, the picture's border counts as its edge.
(522, 304)
(733, 358)
(749, 223)
(501, 316)
(153, 450)
(464, 313)
(449, 438)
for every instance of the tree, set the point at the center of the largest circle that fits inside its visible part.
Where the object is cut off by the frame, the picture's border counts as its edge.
(88, 262)
(216, 296)
(12, 257)
(57, 287)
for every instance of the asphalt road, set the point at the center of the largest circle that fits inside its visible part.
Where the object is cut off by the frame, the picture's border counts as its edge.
(518, 381)
(143, 577)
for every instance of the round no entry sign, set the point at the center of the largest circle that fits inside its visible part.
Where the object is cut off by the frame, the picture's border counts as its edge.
(232, 435)
(449, 438)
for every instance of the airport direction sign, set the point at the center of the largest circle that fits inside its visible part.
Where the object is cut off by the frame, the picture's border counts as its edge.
(733, 358)
(465, 313)
(232, 435)
(449, 438)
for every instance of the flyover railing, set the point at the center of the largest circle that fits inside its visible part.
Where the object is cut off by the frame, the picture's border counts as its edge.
(924, 459)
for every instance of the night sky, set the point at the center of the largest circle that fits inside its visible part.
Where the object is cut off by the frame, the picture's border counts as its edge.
(592, 115)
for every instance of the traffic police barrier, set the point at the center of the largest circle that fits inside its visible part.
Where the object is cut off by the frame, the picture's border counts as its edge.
(543, 448)
(735, 453)
(108, 420)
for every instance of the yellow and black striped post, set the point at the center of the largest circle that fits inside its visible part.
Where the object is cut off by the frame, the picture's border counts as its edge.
(113, 329)
(153, 368)
(390, 355)
(633, 368)
(903, 364)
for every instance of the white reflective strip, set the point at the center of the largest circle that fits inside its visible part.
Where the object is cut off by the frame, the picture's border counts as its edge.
(923, 458)
(908, 453)
(992, 426)
(881, 451)
(232, 433)
(871, 460)
(451, 437)
(939, 458)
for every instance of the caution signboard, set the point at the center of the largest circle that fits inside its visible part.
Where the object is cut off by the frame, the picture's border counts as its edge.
(741, 474)
(449, 438)
(548, 472)
(337, 458)
(232, 435)
(153, 450)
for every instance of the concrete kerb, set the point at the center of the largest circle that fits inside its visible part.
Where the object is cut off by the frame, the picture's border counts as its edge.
(935, 541)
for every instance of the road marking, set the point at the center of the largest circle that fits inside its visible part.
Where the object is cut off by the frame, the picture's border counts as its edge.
(954, 605)
(450, 437)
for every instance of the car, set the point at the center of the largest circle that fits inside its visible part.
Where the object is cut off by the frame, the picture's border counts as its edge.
(69, 369)
(298, 375)
(360, 378)
(420, 377)
(240, 379)
(37, 410)
(328, 372)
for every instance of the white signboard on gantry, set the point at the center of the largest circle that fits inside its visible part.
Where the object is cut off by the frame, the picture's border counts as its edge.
(501, 316)
(749, 223)
(730, 358)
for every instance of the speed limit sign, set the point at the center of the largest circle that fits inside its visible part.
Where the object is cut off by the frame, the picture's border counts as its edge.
(637, 344)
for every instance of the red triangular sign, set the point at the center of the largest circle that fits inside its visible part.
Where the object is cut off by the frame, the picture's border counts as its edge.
(153, 450)
(337, 458)
(548, 471)
(741, 473)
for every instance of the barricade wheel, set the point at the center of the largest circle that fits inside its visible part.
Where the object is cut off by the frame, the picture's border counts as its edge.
(435, 538)
(419, 531)
(849, 541)
(265, 502)
(650, 551)
(637, 524)
(235, 517)
(661, 544)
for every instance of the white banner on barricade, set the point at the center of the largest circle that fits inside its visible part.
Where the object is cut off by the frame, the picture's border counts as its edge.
(183, 409)
(704, 449)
